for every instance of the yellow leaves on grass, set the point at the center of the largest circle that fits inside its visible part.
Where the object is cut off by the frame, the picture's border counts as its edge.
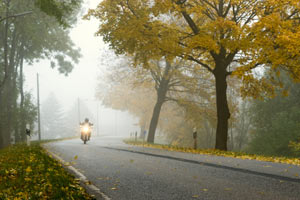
(28, 169)
(27, 179)
(29, 173)
(293, 161)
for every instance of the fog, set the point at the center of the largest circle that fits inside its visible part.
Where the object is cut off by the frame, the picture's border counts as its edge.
(81, 82)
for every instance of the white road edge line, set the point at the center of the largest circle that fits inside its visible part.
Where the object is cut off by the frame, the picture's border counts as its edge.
(82, 178)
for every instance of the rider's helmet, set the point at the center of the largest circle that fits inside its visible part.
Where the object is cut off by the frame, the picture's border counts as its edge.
(86, 120)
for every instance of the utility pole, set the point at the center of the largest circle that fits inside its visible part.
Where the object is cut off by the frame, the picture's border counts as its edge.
(116, 122)
(38, 105)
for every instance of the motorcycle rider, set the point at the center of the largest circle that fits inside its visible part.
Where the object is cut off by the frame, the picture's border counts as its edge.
(86, 123)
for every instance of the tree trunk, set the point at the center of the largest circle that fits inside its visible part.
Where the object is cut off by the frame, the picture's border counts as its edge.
(4, 141)
(21, 133)
(9, 88)
(223, 113)
(161, 97)
(154, 119)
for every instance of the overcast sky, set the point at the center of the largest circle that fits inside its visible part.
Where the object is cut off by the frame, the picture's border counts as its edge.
(81, 83)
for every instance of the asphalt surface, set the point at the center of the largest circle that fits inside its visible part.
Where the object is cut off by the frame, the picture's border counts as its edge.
(128, 172)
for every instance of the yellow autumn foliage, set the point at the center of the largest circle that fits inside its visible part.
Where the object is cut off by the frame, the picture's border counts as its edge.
(250, 34)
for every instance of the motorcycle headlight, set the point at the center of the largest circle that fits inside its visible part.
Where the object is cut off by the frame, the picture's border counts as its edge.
(86, 129)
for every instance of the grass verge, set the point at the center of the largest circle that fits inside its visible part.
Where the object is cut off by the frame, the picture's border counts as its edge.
(29, 173)
(241, 155)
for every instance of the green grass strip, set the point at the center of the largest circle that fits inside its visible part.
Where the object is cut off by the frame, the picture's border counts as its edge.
(29, 173)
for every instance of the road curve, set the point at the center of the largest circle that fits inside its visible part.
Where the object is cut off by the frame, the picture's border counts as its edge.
(127, 172)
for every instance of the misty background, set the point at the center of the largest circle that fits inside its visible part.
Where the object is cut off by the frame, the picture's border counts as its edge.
(79, 84)
(121, 95)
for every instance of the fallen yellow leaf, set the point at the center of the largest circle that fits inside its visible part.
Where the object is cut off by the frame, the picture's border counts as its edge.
(27, 179)
(28, 170)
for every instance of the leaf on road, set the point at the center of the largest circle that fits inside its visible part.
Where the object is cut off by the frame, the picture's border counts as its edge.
(195, 196)
(297, 175)
(88, 183)
(131, 160)
(113, 188)
(228, 189)
(267, 166)
(76, 157)
(205, 190)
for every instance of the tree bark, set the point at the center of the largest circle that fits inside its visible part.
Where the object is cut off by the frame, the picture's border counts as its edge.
(223, 113)
(5, 140)
(154, 120)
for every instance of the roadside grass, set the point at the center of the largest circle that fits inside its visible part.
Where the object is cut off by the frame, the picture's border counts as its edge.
(241, 155)
(53, 140)
(30, 173)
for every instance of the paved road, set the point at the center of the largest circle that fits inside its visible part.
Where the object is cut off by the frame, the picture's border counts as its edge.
(128, 172)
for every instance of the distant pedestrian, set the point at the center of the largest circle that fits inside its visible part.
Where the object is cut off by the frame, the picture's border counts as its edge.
(27, 132)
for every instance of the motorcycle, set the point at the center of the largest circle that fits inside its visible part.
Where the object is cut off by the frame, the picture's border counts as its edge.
(85, 133)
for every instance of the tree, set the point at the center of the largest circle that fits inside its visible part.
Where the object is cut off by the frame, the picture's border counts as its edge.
(165, 76)
(52, 115)
(244, 126)
(125, 87)
(28, 114)
(277, 122)
(63, 11)
(217, 35)
(23, 41)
